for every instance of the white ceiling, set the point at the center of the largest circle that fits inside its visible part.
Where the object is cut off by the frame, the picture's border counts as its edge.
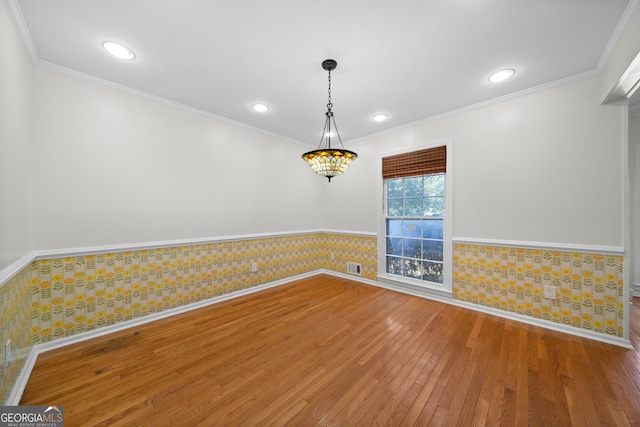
(411, 59)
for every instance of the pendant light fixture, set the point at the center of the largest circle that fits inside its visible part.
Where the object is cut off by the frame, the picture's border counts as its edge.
(327, 161)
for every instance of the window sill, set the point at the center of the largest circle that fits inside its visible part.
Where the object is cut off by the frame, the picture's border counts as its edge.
(416, 287)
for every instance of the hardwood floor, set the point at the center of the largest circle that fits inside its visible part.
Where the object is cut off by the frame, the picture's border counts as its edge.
(329, 351)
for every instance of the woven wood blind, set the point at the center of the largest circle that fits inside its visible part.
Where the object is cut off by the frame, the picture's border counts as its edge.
(423, 162)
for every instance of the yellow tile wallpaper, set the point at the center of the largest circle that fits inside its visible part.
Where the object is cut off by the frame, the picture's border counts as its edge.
(15, 301)
(60, 297)
(78, 294)
(349, 248)
(589, 287)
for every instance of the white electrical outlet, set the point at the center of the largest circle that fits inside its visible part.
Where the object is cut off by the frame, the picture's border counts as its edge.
(333, 256)
(254, 267)
(549, 292)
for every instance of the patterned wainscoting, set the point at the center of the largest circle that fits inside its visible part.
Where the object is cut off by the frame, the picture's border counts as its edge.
(82, 293)
(59, 297)
(350, 248)
(15, 302)
(589, 287)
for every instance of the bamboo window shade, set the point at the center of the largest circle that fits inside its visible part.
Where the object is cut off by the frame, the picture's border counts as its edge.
(423, 162)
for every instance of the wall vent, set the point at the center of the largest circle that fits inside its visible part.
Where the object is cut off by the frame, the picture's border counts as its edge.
(354, 268)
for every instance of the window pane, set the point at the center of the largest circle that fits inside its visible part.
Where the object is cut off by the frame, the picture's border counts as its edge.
(394, 188)
(394, 265)
(395, 207)
(412, 228)
(434, 206)
(434, 185)
(413, 207)
(413, 268)
(394, 227)
(433, 271)
(432, 250)
(411, 248)
(394, 246)
(432, 228)
(413, 187)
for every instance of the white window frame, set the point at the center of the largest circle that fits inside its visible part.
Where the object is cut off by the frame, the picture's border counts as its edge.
(446, 287)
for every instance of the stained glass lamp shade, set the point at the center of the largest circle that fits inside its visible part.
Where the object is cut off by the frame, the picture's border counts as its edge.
(328, 161)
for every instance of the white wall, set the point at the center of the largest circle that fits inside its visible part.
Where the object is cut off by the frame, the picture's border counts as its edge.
(634, 145)
(114, 168)
(626, 50)
(545, 167)
(15, 145)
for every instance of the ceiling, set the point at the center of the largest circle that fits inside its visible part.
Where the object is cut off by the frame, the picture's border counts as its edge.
(413, 60)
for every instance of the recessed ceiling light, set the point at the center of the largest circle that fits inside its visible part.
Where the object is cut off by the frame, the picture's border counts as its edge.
(380, 117)
(118, 50)
(260, 108)
(330, 134)
(501, 75)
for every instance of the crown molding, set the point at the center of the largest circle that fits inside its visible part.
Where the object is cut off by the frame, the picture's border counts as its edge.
(618, 34)
(43, 65)
(515, 95)
(15, 14)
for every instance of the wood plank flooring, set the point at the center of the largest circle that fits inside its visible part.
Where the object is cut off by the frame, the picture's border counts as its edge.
(328, 351)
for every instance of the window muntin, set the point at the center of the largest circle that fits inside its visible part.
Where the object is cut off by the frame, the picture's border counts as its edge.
(414, 220)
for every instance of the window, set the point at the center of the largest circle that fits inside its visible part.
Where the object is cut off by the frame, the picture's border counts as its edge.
(414, 227)
(415, 244)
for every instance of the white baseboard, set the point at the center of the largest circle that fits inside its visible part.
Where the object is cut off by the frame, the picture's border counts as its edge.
(21, 382)
(621, 342)
(23, 378)
(36, 350)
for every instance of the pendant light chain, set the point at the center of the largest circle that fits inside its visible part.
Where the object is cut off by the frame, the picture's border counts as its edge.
(329, 105)
(328, 161)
